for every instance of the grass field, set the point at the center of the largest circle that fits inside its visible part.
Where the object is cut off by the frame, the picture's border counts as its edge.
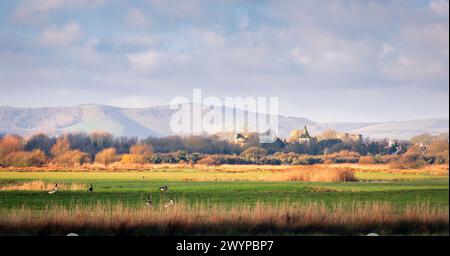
(228, 187)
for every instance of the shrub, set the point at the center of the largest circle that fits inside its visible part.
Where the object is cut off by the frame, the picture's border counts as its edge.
(208, 161)
(412, 159)
(61, 146)
(8, 145)
(343, 156)
(367, 160)
(230, 159)
(438, 152)
(386, 159)
(307, 160)
(71, 158)
(134, 159)
(25, 159)
(141, 149)
(139, 154)
(106, 156)
(254, 154)
(286, 158)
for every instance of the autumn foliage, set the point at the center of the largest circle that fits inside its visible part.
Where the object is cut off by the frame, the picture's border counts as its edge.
(106, 156)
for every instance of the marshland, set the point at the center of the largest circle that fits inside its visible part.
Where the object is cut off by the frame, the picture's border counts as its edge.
(101, 185)
(349, 199)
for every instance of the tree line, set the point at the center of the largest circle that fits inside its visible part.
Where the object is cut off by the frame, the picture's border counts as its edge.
(76, 149)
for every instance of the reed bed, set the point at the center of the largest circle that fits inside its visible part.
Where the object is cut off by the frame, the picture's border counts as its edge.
(39, 185)
(433, 170)
(203, 219)
(325, 175)
(292, 174)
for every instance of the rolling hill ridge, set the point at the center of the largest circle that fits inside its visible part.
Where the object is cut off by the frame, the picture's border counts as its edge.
(155, 121)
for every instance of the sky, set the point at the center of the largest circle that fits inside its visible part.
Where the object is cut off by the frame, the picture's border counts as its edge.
(330, 61)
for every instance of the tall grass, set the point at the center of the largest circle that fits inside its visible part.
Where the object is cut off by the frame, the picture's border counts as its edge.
(434, 170)
(39, 185)
(324, 175)
(203, 219)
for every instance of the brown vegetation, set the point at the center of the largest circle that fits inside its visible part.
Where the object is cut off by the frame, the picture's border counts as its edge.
(139, 154)
(76, 149)
(419, 156)
(70, 158)
(106, 156)
(207, 161)
(343, 156)
(367, 160)
(9, 144)
(24, 158)
(201, 219)
(61, 146)
(41, 186)
(324, 175)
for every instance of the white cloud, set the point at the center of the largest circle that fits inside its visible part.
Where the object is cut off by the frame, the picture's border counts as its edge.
(54, 36)
(135, 18)
(178, 9)
(421, 54)
(440, 7)
(432, 37)
(151, 60)
(140, 40)
(212, 39)
(387, 51)
(278, 47)
(144, 61)
(318, 51)
(32, 9)
(410, 69)
(298, 56)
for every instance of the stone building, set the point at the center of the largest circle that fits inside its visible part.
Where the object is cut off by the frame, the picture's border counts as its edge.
(302, 137)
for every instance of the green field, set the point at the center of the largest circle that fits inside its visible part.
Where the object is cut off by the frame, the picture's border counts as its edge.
(230, 200)
(131, 189)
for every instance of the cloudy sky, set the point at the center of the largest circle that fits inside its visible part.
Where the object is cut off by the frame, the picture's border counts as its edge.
(325, 60)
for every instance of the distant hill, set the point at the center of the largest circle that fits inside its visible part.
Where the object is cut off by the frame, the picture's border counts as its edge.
(155, 121)
(405, 129)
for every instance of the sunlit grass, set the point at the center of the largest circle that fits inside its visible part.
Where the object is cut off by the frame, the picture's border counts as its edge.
(201, 219)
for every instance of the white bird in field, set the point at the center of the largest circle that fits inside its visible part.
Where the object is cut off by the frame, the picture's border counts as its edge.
(53, 191)
(169, 204)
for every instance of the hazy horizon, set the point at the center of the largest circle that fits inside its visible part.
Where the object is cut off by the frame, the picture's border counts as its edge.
(281, 114)
(347, 61)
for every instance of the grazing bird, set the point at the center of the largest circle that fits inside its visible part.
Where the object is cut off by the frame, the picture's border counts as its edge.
(91, 188)
(169, 204)
(163, 188)
(53, 191)
(149, 200)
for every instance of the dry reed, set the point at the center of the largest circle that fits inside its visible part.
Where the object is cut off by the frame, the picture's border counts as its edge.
(39, 185)
(435, 170)
(324, 175)
(202, 219)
